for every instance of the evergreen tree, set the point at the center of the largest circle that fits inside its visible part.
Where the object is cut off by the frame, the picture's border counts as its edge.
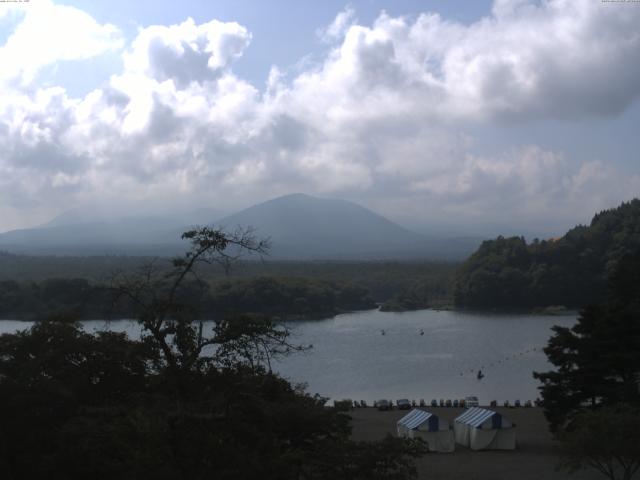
(181, 403)
(570, 271)
(597, 360)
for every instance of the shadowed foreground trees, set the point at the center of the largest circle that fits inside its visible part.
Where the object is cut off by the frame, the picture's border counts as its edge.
(606, 440)
(592, 398)
(180, 403)
(598, 359)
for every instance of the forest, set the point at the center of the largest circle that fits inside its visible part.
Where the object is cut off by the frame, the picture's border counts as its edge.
(283, 298)
(571, 271)
(31, 286)
(181, 402)
(504, 273)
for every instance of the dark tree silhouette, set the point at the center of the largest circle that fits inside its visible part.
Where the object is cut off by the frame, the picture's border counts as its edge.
(607, 440)
(598, 359)
(180, 403)
(170, 321)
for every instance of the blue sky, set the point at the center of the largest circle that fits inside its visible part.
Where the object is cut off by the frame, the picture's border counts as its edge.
(284, 31)
(511, 116)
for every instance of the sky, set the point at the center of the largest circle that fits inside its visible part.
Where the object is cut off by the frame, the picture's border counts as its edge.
(449, 117)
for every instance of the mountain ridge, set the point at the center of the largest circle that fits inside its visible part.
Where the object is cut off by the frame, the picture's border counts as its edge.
(300, 226)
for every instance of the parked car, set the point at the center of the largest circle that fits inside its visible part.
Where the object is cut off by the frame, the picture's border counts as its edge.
(442, 402)
(403, 404)
(382, 404)
(447, 403)
(422, 402)
(434, 403)
(463, 403)
(471, 401)
(456, 403)
(527, 404)
(517, 403)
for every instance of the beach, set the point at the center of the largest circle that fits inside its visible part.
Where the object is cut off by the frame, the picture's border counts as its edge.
(535, 458)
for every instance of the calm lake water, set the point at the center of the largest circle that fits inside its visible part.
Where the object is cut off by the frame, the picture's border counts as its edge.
(352, 359)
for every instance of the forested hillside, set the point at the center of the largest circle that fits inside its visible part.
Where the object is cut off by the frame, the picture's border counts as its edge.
(383, 279)
(570, 271)
(287, 298)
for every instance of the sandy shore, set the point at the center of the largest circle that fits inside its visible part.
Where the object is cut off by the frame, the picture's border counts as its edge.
(536, 457)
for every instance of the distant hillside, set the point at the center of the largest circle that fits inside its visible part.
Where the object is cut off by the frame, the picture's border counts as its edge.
(570, 271)
(144, 235)
(301, 227)
(290, 298)
(83, 232)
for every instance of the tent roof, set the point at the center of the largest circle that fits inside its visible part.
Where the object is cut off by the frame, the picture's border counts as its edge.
(476, 416)
(415, 418)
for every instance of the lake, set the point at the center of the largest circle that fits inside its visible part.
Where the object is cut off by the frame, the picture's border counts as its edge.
(351, 358)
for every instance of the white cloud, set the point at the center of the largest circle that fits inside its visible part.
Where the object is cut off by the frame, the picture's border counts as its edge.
(50, 33)
(336, 30)
(383, 117)
(529, 59)
(186, 52)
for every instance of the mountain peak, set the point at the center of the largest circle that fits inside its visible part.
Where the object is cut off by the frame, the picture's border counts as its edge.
(301, 225)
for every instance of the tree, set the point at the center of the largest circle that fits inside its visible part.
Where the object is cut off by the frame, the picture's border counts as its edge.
(179, 403)
(52, 376)
(607, 440)
(169, 322)
(598, 359)
(571, 270)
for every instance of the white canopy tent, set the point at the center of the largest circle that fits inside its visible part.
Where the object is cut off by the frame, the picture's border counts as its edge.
(427, 426)
(481, 429)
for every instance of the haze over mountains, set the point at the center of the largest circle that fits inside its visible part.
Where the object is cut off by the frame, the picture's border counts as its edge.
(300, 227)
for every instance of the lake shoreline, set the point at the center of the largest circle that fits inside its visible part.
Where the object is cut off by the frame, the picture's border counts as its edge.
(547, 311)
(425, 354)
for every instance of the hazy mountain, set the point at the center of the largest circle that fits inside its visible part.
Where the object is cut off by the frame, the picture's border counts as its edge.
(115, 236)
(300, 227)
(80, 216)
(83, 232)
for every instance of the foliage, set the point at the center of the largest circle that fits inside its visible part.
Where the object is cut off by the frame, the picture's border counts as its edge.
(287, 298)
(391, 458)
(570, 271)
(607, 440)
(423, 293)
(74, 296)
(180, 403)
(383, 279)
(48, 376)
(598, 359)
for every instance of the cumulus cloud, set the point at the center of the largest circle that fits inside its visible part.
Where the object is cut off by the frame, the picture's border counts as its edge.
(534, 180)
(336, 30)
(186, 52)
(528, 59)
(50, 33)
(383, 117)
